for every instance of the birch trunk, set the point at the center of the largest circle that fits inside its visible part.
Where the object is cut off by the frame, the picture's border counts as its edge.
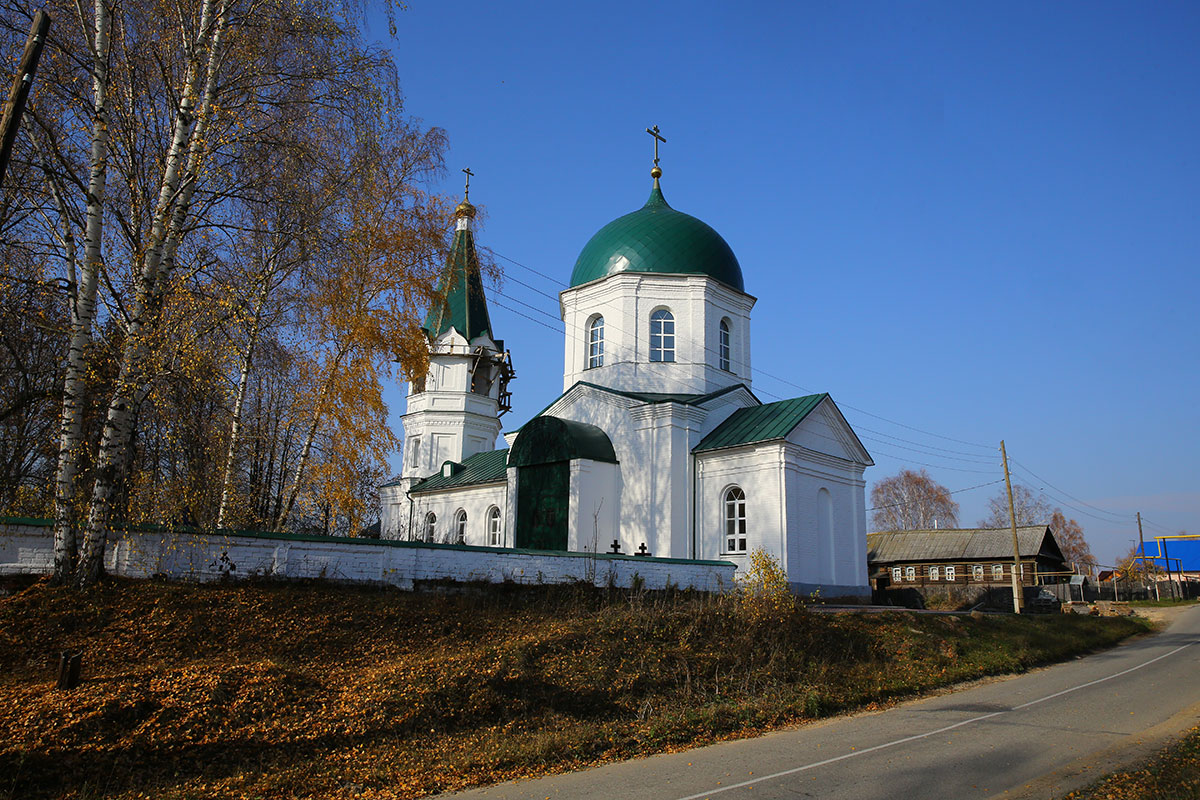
(235, 427)
(82, 304)
(318, 410)
(178, 184)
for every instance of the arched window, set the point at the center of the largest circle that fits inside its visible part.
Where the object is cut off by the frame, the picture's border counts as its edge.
(595, 357)
(495, 528)
(662, 336)
(735, 520)
(723, 346)
(460, 527)
(430, 526)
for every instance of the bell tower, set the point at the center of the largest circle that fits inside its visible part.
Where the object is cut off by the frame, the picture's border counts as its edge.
(454, 412)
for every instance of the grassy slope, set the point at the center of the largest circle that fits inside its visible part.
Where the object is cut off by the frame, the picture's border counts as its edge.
(303, 690)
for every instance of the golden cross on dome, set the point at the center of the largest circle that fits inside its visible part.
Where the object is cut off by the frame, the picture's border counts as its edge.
(467, 190)
(657, 138)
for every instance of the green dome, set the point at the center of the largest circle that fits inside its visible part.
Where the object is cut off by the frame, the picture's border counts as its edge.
(657, 238)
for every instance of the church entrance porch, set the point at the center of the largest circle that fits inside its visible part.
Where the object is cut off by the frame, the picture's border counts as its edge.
(542, 506)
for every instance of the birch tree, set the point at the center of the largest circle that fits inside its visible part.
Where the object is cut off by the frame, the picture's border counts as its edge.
(144, 112)
(912, 500)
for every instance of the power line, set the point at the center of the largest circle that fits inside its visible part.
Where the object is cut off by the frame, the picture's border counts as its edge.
(756, 370)
(1073, 497)
(956, 491)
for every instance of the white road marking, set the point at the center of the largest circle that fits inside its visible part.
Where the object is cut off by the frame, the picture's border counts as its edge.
(914, 738)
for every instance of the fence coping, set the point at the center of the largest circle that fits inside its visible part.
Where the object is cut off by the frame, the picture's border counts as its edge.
(362, 541)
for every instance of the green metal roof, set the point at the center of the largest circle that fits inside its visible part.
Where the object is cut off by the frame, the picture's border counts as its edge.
(548, 440)
(647, 397)
(480, 468)
(461, 303)
(657, 238)
(760, 423)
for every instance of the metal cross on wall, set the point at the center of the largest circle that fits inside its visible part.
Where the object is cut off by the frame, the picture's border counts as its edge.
(467, 190)
(657, 138)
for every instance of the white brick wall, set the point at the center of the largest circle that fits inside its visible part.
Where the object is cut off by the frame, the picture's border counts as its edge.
(28, 549)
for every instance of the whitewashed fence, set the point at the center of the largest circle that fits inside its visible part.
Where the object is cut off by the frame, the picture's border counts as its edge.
(26, 547)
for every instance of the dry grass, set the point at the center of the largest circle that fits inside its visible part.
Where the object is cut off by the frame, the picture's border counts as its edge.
(1173, 774)
(310, 690)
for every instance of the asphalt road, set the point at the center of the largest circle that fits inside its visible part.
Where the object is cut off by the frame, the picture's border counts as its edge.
(1036, 735)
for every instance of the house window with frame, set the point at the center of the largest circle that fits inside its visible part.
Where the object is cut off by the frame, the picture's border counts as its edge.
(997, 572)
(896, 574)
(595, 357)
(950, 572)
(735, 520)
(933, 573)
(495, 527)
(977, 572)
(430, 526)
(662, 336)
(460, 527)
(910, 573)
(723, 346)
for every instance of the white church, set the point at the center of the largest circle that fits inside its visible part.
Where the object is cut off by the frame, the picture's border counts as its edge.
(657, 445)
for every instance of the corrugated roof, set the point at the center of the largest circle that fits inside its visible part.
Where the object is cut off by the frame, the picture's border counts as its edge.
(966, 544)
(480, 468)
(760, 423)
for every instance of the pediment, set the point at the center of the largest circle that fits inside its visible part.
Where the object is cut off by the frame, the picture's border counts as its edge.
(826, 431)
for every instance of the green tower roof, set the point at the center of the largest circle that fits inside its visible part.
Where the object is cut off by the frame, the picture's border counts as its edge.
(461, 304)
(658, 239)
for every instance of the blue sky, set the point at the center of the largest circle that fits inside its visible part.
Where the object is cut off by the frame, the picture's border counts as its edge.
(964, 221)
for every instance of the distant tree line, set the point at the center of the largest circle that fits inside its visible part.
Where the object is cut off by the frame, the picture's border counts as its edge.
(217, 237)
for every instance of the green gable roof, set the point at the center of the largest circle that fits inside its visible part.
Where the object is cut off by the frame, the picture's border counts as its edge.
(549, 440)
(760, 423)
(461, 304)
(656, 238)
(647, 397)
(480, 468)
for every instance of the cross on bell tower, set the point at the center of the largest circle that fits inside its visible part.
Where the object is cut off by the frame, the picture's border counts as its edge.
(467, 189)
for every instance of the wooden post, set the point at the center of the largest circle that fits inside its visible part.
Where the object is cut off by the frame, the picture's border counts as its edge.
(1142, 560)
(1012, 517)
(19, 93)
(69, 665)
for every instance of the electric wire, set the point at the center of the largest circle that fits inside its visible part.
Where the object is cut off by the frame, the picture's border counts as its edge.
(1064, 492)
(956, 491)
(759, 371)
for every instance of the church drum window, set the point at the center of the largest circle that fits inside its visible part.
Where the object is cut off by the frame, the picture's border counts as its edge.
(735, 520)
(662, 336)
(723, 345)
(495, 527)
(460, 527)
(414, 451)
(595, 357)
(430, 526)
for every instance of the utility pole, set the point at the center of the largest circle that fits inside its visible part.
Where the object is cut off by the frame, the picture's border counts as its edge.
(22, 81)
(1012, 517)
(1142, 552)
